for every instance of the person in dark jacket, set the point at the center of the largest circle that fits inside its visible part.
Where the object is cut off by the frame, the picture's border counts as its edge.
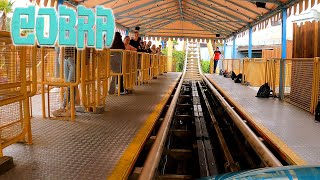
(117, 42)
(135, 41)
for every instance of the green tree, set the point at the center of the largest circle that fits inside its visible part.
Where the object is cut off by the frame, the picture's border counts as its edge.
(5, 8)
(179, 56)
(205, 66)
(175, 42)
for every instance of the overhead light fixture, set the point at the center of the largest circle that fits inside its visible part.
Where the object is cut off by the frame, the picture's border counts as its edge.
(217, 35)
(261, 4)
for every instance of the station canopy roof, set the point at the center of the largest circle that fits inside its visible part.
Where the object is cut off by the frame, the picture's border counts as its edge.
(205, 19)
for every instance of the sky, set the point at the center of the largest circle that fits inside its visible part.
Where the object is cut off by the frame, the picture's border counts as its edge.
(19, 3)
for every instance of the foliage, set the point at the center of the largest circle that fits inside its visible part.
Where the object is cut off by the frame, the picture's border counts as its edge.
(178, 56)
(175, 42)
(165, 51)
(205, 66)
(6, 6)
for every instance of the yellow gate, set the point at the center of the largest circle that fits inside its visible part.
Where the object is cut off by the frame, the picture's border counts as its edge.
(60, 76)
(18, 76)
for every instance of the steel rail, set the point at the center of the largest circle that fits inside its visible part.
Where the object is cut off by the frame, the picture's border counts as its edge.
(152, 161)
(262, 151)
(231, 165)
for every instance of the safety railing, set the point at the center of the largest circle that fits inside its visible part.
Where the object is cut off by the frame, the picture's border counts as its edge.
(161, 64)
(94, 78)
(300, 81)
(133, 69)
(272, 75)
(235, 65)
(68, 77)
(123, 65)
(155, 65)
(254, 71)
(165, 64)
(117, 70)
(103, 75)
(143, 65)
(17, 83)
(227, 64)
(147, 67)
(60, 76)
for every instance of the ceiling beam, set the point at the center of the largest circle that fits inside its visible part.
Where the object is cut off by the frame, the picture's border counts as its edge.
(215, 27)
(208, 14)
(210, 29)
(266, 16)
(131, 19)
(156, 13)
(155, 21)
(152, 28)
(106, 2)
(167, 18)
(181, 13)
(205, 6)
(142, 7)
(121, 26)
(201, 24)
(178, 29)
(182, 33)
(230, 9)
(243, 7)
(147, 21)
(225, 25)
(218, 27)
(135, 8)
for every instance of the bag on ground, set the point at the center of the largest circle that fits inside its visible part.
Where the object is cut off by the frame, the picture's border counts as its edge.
(317, 117)
(233, 75)
(238, 78)
(264, 91)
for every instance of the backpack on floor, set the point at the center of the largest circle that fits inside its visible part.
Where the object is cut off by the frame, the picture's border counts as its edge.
(317, 117)
(225, 73)
(233, 75)
(238, 78)
(221, 72)
(229, 75)
(264, 91)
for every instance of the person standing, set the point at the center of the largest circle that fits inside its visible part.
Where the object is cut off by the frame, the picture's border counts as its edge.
(216, 58)
(135, 41)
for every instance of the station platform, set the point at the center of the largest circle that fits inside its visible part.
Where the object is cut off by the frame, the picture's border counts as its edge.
(90, 147)
(291, 129)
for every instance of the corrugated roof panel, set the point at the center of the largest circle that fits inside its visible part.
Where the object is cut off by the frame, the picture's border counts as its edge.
(187, 18)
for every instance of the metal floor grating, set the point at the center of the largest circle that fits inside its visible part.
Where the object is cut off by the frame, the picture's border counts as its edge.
(90, 147)
(294, 126)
